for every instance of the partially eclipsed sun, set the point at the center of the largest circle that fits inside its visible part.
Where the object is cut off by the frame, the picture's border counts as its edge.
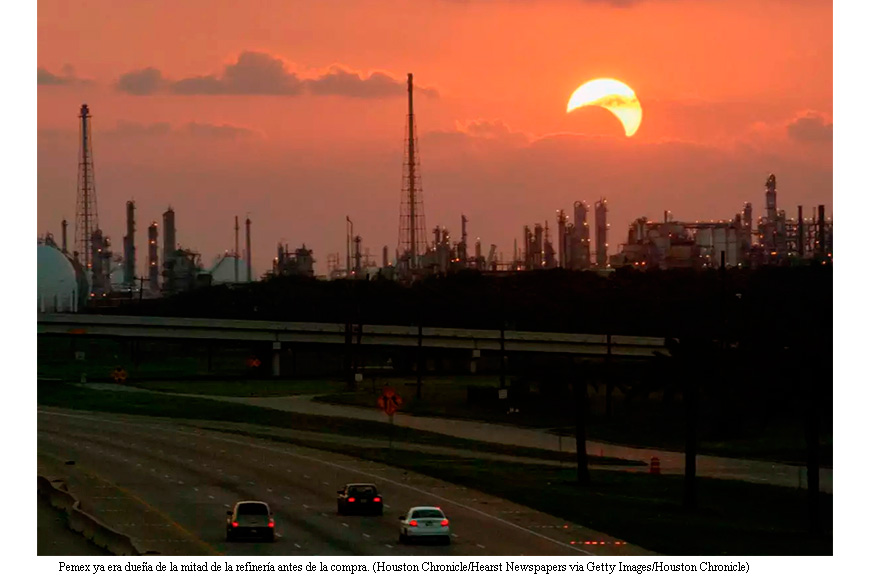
(613, 95)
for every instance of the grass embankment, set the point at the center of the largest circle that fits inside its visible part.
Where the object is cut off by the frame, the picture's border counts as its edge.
(647, 422)
(244, 387)
(160, 405)
(733, 518)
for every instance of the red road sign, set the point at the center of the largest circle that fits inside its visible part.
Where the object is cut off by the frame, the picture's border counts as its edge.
(389, 402)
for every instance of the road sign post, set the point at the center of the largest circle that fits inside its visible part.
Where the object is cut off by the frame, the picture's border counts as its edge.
(390, 402)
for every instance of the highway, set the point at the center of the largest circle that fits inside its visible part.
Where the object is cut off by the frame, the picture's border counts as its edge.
(184, 479)
(279, 333)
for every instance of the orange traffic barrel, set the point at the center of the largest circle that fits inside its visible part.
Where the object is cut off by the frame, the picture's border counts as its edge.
(655, 466)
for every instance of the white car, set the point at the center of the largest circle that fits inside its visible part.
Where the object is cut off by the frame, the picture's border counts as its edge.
(423, 522)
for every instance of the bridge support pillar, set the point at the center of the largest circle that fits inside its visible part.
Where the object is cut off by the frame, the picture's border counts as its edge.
(276, 359)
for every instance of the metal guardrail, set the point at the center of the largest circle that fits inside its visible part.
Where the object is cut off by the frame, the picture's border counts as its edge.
(337, 333)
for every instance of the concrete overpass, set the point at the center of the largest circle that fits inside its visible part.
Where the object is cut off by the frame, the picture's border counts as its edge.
(337, 333)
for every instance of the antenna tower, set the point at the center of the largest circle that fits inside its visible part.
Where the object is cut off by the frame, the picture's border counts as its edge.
(412, 220)
(86, 199)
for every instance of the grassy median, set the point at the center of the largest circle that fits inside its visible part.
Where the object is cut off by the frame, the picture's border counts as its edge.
(58, 394)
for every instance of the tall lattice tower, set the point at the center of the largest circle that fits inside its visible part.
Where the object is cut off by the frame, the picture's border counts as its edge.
(412, 220)
(87, 220)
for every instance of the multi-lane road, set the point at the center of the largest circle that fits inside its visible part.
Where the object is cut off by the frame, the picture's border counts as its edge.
(168, 486)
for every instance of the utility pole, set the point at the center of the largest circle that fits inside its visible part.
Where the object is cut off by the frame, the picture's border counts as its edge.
(580, 407)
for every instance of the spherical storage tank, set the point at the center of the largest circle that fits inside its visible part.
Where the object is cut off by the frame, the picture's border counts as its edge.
(56, 284)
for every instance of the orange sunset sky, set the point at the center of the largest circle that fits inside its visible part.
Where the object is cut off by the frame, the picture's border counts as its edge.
(293, 112)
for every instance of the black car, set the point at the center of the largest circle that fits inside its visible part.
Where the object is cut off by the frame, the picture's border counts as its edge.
(250, 520)
(360, 498)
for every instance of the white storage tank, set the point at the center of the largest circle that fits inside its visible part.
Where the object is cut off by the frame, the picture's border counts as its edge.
(56, 285)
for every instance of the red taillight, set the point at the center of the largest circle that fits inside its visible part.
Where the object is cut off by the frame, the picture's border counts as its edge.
(351, 499)
(235, 524)
(377, 500)
(271, 523)
(413, 523)
(445, 522)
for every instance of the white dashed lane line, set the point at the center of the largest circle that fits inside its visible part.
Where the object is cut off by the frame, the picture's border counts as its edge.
(297, 545)
(389, 546)
(211, 497)
(305, 506)
(287, 498)
(344, 524)
(481, 547)
(195, 489)
(269, 489)
(366, 536)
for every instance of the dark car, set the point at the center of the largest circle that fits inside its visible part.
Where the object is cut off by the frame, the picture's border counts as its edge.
(250, 520)
(360, 498)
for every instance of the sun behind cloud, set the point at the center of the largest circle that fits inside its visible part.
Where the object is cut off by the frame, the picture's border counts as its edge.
(613, 95)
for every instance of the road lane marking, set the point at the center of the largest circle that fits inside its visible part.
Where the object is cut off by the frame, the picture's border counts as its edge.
(366, 536)
(287, 498)
(480, 546)
(336, 466)
(389, 546)
(344, 524)
(305, 506)
(269, 489)
(211, 497)
(297, 545)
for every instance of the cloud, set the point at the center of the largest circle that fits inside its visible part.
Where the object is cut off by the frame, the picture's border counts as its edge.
(67, 77)
(146, 81)
(258, 73)
(133, 129)
(209, 131)
(343, 82)
(811, 127)
(253, 73)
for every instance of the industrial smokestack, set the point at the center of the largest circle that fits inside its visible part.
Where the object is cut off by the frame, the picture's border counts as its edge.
(168, 234)
(129, 245)
(821, 233)
(153, 267)
(236, 256)
(386, 254)
(601, 233)
(801, 231)
(63, 226)
(248, 246)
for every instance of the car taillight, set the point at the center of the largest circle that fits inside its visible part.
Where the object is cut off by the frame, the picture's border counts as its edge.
(377, 500)
(412, 523)
(351, 499)
(271, 523)
(445, 522)
(235, 524)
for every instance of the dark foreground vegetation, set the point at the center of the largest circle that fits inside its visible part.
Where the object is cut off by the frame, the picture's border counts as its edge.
(766, 302)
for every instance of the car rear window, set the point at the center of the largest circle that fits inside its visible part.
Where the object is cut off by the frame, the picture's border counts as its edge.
(253, 509)
(363, 490)
(427, 514)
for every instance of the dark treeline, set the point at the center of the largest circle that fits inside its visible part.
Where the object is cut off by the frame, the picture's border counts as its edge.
(768, 305)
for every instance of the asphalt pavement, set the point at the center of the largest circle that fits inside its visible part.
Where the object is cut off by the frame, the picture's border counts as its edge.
(168, 486)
